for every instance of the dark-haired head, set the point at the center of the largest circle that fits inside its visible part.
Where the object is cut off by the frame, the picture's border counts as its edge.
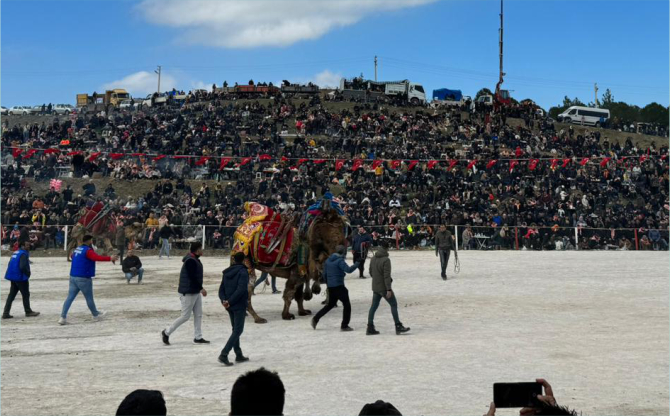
(195, 246)
(379, 408)
(244, 398)
(238, 258)
(143, 402)
(88, 239)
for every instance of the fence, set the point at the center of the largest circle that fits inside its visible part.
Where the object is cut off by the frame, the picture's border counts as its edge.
(404, 238)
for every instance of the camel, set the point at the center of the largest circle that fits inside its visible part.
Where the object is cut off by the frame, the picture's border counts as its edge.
(108, 229)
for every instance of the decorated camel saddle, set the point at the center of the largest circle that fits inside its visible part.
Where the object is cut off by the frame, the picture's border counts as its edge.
(265, 236)
(316, 210)
(96, 218)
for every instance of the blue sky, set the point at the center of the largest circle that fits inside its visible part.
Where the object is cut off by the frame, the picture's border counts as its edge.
(52, 50)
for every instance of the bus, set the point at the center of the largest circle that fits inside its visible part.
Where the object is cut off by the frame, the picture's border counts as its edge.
(587, 116)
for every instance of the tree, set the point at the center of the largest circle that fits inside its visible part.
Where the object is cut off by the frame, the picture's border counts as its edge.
(483, 91)
(655, 113)
(567, 102)
(607, 99)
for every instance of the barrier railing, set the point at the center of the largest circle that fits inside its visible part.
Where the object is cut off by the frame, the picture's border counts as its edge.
(402, 237)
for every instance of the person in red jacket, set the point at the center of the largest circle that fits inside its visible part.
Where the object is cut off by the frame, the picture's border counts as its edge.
(81, 278)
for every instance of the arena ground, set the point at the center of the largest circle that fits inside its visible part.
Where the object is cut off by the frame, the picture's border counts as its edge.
(595, 324)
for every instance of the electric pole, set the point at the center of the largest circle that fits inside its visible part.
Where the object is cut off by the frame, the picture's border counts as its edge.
(375, 68)
(595, 88)
(159, 79)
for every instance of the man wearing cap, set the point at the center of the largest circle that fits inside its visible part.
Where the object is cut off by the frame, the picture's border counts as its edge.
(333, 272)
(360, 247)
(18, 273)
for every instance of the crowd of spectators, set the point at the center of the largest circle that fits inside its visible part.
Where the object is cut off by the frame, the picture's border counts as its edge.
(622, 205)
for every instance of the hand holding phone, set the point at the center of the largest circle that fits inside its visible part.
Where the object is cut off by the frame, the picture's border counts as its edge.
(507, 395)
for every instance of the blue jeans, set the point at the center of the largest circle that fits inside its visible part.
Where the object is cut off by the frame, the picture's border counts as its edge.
(264, 277)
(165, 247)
(237, 322)
(140, 273)
(77, 284)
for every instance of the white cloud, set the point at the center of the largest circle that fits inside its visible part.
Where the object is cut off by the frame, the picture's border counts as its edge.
(327, 79)
(251, 24)
(142, 83)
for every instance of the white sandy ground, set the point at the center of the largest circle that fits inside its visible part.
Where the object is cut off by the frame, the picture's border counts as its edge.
(595, 324)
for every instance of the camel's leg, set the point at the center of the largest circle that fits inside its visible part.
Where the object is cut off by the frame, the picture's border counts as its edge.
(299, 300)
(289, 292)
(250, 308)
(313, 274)
(109, 248)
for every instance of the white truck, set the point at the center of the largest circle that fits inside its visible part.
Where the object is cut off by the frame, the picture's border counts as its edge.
(410, 92)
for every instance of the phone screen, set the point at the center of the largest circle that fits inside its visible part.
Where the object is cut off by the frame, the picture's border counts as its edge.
(515, 394)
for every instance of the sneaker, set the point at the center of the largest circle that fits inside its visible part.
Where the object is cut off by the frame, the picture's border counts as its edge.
(32, 313)
(347, 329)
(224, 360)
(62, 321)
(314, 322)
(241, 359)
(7, 316)
(200, 341)
(166, 338)
(276, 292)
(100, 317)
(371, 330)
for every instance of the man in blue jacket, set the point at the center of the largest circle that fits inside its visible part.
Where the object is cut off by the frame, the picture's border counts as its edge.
(333, 271)
(18, 273)
(234, 295)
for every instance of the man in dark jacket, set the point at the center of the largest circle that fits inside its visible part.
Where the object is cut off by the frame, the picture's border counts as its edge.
(380, 271)
(444, 242)
(190, 291)
(360, 247)
(234, 295)
(333, 271)
(165, 233)
(18, 273)
(132, 266)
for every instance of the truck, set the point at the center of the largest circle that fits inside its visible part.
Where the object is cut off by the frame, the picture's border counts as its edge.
(289, 89)
(99, 102)
(447, 97)
(404, 90)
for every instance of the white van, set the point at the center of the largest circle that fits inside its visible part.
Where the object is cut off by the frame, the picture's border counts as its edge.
(585, 115)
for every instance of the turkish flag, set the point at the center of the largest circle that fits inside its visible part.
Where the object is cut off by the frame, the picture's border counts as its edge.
(584, 161)
(533, 164)
(284, 159)
(554, 163)
(395, 164)
(245, 161)
(643, 158)
(452, 163)
(138, 154)
(159, 157)
(319, 161)
(224, 162)
(491, 164)
(431, 164)
(181, 157)
(512, 164)
(357, 164)
(94, 156)
(376, 164)
(301, 161)
(49, 151)
(565, 163)
(472, 164)
(264, 157)
(202, 161)
(17, 152)
(412, 163)
(339, 163)
(78, 152)
(605, 161)
(116, 156)
(29, 154)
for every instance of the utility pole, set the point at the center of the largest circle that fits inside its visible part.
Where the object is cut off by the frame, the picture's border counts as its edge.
(159, 79)
(375, 68)
(595, 87)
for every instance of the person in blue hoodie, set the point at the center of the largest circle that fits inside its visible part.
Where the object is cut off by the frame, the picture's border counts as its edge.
(334, 271)
(18, 273)
(234, 295)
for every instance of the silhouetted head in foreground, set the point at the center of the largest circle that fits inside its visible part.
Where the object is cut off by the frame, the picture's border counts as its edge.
(244, 399)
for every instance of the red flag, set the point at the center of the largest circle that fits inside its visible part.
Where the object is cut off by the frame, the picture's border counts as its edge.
(472, 164)
(338, 164)
(78, 152)
(319, 161)
(29, 154)
(395, 164)
(181, 157)
(17, 152)
(376, 163)
(49, 151)
(224, 162)
(512, 164)
(202, 161)
(554, 163)
(116, 156)
(412, 163)
(431, 164)
(159, 157)
(452, 163)
(301, 161)
(584, 161)
(94, 156)
(138, 154)
(643, 158)
(264, 157)
(491, 164)
(533, 164)
(357, 164)
(605, 161)
(284, 159)
(565, 163)
(245, 161)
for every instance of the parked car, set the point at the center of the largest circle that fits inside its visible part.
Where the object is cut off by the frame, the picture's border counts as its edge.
(37, 109)
(63, 109)
(20, 110)
(4, 111)
(126, 104)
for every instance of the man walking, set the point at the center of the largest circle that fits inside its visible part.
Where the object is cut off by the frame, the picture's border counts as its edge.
(132, 266)
(165, 233)
(234, 295)
(334, 270)
(81, 278)
(444, 242)
(360, 247)
(380, 271)
(190, 291)
(18, 273)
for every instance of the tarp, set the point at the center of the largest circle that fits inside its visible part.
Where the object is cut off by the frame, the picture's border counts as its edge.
(447, 94)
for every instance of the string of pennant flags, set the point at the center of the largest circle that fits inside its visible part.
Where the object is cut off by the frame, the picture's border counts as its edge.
(356, 163)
